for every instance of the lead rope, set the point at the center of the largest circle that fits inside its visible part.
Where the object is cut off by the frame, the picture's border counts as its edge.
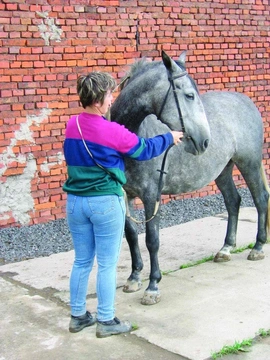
(162, 172)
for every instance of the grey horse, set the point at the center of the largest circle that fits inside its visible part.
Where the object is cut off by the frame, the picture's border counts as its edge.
(236, 138)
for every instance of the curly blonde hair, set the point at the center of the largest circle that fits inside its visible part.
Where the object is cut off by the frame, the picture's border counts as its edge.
(93, 87)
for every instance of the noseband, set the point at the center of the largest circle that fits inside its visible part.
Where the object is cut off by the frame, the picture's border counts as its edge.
(172, 85)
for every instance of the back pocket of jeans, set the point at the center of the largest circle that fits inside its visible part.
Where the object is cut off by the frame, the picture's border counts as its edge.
(71, 200)
(101, 204)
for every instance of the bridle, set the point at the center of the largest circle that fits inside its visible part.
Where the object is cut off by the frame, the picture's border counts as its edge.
(162, 172)
(172, 85)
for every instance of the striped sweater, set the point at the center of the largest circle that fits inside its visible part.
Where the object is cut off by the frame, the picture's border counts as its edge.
(109, 144)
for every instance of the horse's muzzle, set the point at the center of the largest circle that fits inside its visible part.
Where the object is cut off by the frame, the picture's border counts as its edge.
(194, 147)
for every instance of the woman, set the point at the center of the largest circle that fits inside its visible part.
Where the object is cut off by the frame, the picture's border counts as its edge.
(94, 150)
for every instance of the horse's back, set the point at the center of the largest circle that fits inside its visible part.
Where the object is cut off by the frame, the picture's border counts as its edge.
(233, 117)
(234, 106)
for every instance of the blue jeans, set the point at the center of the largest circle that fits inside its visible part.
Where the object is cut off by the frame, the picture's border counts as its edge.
(96, 224)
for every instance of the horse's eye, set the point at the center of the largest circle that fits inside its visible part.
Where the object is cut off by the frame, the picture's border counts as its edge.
(189, 96)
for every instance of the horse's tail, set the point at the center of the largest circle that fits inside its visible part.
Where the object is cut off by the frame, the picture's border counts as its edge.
(265, 181)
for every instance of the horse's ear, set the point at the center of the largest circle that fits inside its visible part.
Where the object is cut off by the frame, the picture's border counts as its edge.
(182, 58)
(166, 60)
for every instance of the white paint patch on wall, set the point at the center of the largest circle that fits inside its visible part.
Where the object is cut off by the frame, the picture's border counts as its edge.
(15, 191)
(49, 31)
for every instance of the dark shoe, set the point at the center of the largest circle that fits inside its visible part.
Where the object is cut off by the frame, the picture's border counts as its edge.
(112, 327)
(77, 323)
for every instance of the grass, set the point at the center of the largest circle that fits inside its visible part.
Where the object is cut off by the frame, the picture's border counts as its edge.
(188, 265)
(242, 248)
(211, 257)
(208, 258)
(234, 349)
(198, 262)
(243, 346)
(134, 326)
(166, 272)
(264, 333)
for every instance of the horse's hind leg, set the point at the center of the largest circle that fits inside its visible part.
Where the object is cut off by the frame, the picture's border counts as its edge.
(232, 202)
(134, 281)
(257, 184)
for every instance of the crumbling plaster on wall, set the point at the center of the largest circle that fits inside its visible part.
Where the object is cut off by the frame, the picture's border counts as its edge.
(49, 31)
(52, 161)
(15, 193)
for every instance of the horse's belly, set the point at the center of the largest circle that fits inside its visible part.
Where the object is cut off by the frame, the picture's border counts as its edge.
(186, 184)
(195, 172)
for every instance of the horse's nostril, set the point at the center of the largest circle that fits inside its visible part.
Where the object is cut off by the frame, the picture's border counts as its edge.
(206, 143)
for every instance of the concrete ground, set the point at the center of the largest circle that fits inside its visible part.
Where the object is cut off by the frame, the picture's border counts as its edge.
(202, 308)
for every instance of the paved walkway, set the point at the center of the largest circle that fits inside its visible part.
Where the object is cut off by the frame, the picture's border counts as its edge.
(202, 309)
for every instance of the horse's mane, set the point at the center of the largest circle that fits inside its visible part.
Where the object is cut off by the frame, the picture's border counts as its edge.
(136, 68)
(142, 65)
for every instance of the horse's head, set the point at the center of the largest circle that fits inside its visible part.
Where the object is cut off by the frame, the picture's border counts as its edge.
(181, 106)
(166, 90)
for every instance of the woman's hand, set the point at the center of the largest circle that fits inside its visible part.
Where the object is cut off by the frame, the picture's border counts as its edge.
(177, 136)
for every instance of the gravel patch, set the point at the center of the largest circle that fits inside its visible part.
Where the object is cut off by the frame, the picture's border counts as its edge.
(27, 242)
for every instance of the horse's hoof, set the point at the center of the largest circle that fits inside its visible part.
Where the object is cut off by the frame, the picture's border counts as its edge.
(132, 286)
(151, 297)
(255, 255)
(222, 257)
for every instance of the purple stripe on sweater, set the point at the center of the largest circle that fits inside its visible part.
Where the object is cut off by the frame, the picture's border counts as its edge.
(103, 132)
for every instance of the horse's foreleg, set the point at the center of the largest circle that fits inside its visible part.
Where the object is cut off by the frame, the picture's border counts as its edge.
(152, 294)
(134, 281)
(232, 202)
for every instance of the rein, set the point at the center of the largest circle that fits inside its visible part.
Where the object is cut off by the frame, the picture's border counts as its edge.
(162, 172)
(158, 193)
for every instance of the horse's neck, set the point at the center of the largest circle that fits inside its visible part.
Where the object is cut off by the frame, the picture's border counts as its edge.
(131, 116)
(134, 103)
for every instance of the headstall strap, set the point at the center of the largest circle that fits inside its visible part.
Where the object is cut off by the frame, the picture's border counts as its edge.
(171, 79)
(177, 76)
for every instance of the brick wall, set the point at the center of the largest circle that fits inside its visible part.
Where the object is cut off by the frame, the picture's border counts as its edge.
(45, 45)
